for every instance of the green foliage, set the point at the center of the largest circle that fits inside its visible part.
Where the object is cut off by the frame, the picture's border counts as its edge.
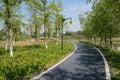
(68, 33)
(29, 59)
(47, 10)
(2, 34)
(103, 20)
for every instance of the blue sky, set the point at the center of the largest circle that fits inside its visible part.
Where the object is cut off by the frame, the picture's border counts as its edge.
(72, 8)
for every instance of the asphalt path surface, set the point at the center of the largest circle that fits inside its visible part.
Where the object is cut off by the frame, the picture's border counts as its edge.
(85, 64)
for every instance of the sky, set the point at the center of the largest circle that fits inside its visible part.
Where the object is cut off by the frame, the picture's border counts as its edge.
(72, 8)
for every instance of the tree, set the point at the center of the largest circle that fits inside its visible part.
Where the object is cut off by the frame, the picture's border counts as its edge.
(48, 9)
(104, 19)
(57, 25)
(36, 18)
(8, 7)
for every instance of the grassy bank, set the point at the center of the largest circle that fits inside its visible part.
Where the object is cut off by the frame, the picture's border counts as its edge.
(113, 58)
(30, 60)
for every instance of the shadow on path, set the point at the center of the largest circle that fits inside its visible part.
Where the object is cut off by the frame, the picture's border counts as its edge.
(85, 64)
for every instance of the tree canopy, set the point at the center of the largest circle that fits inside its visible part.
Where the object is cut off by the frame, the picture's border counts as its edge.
(103, 20)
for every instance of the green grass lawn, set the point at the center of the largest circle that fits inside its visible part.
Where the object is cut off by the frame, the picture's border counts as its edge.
(30, 60)
(113, 58)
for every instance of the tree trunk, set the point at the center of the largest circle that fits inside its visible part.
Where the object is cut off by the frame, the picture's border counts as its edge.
(94, 40)
(57, 31)
(110, 37)
(13, 39)
(56, 36)
(45, 42)
(45, 34)
(105, 40)
(6, 42)
(36, 34)
(9, 25)
(100, 40)
(36, 28)
(11, 42)
(48, 34)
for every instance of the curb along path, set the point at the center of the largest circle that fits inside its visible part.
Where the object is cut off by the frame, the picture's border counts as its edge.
(85, 63)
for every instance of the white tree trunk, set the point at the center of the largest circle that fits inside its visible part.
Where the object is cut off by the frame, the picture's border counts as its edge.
(6, 45)
(11, 43)
(46, 45)
(6, 42)
(36, 42)
(11, 51)
(113, 48)
(57, 39)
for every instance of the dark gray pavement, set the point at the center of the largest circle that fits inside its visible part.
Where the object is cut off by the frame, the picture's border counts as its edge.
(85, 64)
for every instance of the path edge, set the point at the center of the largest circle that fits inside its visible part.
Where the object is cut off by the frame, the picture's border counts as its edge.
(107, 67)
(36, 77)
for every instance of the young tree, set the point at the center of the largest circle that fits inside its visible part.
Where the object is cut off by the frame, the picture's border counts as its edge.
(48, 10)
(36, 18)
(8, 7)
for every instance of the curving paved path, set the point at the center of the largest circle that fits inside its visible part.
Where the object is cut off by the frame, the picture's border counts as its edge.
(86, 63)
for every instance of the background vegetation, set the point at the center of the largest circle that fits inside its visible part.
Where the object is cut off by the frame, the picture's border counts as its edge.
(103, 22)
